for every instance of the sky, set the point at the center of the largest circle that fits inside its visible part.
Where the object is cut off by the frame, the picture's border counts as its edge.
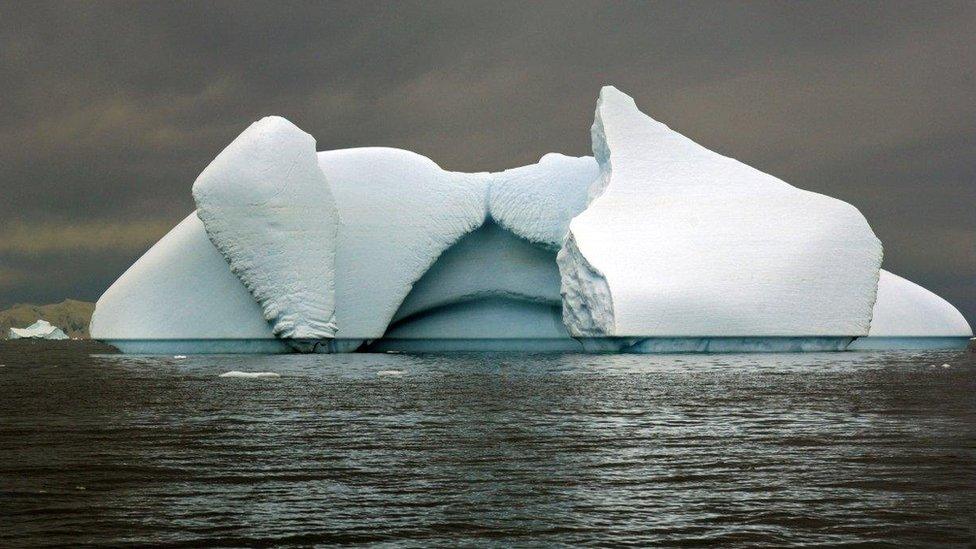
(109, 110)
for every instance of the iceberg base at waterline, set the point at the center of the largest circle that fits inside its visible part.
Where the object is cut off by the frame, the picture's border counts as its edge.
(656, 345)
(199, 346)
(937, 343)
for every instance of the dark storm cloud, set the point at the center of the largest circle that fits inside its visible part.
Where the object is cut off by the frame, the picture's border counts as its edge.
(108, 111)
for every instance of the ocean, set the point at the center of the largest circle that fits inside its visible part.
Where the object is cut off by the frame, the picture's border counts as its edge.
(487, 449)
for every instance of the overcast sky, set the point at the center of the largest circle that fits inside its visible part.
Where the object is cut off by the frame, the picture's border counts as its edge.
(109, 111)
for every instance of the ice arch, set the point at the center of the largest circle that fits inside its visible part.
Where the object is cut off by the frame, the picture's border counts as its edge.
(399, 212)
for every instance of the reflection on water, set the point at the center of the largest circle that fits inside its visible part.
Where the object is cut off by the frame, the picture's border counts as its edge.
(478, 449)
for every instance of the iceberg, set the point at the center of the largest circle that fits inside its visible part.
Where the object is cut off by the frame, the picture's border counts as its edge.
(269, 209)
(655, 244)
(680, 241)
(907, 316)
(41, 329)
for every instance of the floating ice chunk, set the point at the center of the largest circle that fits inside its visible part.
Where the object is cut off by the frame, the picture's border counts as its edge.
(389, 373)
(680, 241)
(249, 375)
(179, 357)
(537, 202)
(179, 292)
(399, 212)
(269, 209)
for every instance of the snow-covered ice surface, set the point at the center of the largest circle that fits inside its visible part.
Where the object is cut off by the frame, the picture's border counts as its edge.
(680, 241)
(41, 329)
(907, 316)
(181, 296)
(537, 202)
(268, 208)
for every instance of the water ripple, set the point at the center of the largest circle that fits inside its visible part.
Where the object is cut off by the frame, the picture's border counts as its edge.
(488, 449)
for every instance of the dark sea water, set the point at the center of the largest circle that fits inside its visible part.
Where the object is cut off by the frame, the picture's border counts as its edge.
(868, 449)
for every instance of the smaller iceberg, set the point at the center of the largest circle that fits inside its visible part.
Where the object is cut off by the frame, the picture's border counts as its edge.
(41, 329)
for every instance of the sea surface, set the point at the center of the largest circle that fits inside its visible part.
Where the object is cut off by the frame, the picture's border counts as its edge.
(868, 449)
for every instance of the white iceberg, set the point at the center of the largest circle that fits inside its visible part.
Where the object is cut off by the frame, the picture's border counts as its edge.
(907, 316)
(680, 241)
(656, 245)
(269, 209)
(400, 213)
(41, 329)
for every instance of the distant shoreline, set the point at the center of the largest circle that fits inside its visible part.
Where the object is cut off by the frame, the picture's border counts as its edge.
(71, 315)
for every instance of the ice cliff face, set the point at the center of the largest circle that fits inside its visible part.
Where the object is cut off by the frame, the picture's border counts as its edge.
(269, 209)
(680, 241)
